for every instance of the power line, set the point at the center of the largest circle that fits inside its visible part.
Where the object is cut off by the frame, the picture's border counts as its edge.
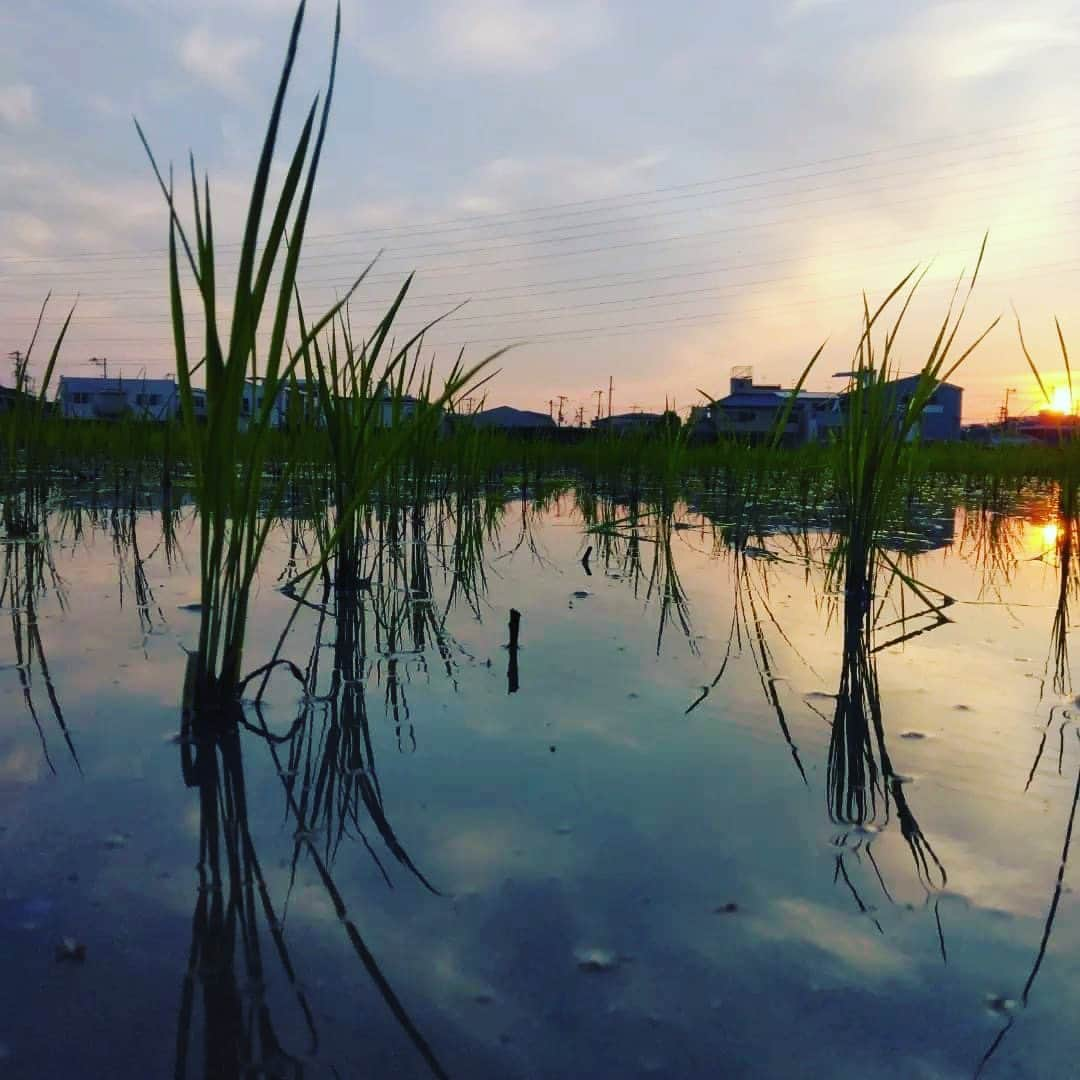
(652, 299)
(471, 222)
(646, 242)
(617, 329)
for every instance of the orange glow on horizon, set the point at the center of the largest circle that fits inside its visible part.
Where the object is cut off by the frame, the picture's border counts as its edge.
(1061, 401)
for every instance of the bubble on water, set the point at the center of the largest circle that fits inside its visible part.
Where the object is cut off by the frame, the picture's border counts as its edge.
(70, 951)
(999, 1004)
(597, 961)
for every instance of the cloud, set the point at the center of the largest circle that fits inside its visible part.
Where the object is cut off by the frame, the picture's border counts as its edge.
(513, 35)
(218, 61)
(964, 41)
(377, 213)
(17, 105)
(506, 37)
(505, 182)
(31, 231)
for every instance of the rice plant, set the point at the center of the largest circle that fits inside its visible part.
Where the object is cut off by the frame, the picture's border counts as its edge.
(230, 452)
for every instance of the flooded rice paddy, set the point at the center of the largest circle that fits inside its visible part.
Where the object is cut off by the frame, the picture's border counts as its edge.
(697, 824)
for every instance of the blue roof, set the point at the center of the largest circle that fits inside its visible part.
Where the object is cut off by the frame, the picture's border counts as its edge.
(770, 398)
(97, 382)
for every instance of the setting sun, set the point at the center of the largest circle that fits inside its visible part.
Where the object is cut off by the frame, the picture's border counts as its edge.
(1061, 400)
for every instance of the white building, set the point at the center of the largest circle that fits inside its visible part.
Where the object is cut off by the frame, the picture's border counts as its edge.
(95, 397)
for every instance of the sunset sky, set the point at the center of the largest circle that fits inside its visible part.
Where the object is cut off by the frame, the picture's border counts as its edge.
(653, 192)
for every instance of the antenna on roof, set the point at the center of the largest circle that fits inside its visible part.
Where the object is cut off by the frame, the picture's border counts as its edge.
(101, 362)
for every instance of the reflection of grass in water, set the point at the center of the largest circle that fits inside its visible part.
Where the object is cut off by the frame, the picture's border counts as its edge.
(1048, 922)
(233, 901)
(1065, 542)
(992, 538)
(619, 537)
(28, 574)
(862, 785)
(752, 620)
(392, 617)
(331, 773)
(125, 541)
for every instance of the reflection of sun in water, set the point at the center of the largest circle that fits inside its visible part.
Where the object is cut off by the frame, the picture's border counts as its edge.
(1049, 535)
(1061, 400)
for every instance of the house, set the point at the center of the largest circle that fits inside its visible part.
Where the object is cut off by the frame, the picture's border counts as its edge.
(940, 418)
(294, 403)
(1047, 427)
(11, 399)
(96, 397)
(395, 408)
(507, 418)
(628, 423)
(752, 411)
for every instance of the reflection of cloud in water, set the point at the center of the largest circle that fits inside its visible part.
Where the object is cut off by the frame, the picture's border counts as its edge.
(474, 855)
(837, 935)
(21, 764)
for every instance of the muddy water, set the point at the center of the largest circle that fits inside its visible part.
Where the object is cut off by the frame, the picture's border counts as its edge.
(651, 859)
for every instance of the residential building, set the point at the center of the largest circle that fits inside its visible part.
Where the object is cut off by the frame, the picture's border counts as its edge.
(11, 398)
(628, 423)
(940, 418)
(752, 411)
(393, 409)
(96, 397)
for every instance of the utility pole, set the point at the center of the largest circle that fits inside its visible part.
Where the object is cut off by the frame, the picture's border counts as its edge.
(599, 403)
(1003, 415)
(101, 362)
(562, 398)
(551, 408)
(610, 388)
(18, 363)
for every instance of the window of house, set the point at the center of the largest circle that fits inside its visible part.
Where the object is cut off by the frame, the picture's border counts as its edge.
(155, 399)
(80, 398)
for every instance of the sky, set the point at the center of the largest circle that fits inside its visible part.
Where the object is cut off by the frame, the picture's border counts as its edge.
(651, 193)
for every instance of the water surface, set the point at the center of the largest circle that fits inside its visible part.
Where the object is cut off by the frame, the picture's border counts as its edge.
(651, 858)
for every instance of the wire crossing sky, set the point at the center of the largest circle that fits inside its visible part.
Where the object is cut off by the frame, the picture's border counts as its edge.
(654, 194)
